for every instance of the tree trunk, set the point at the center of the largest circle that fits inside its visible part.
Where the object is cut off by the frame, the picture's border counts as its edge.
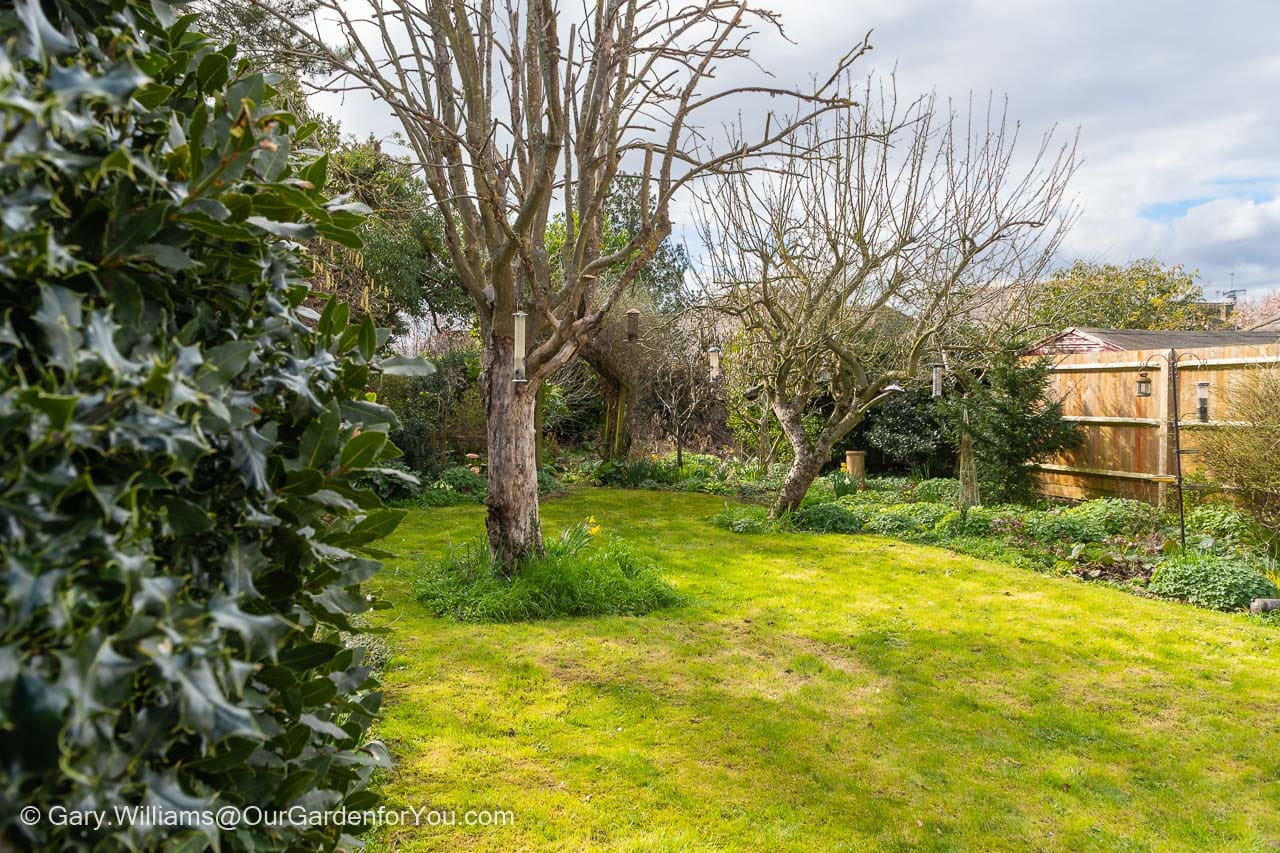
(615, 432)
(514, 529)
(805, 465)
(539, 412)
(804, 470)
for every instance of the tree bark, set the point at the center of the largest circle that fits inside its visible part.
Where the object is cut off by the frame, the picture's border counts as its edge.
(513, 525)
(804, 469)
(806, 463)
(615, 433)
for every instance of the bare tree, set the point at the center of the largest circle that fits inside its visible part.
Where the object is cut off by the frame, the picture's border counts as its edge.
(680, 386)
(852, 260)
(515, 111)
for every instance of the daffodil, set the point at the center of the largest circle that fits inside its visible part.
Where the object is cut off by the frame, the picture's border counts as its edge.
(591, 519)
(593, 529)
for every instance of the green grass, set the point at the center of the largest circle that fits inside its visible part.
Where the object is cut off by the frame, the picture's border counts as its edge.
(827, 692)
(576, 577)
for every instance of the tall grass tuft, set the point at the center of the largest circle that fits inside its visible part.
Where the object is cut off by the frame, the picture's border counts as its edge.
(576, 577)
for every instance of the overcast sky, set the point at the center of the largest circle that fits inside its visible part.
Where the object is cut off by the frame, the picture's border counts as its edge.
(1176, 102)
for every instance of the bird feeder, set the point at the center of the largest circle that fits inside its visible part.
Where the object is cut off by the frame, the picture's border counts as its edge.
(633, 325)
(937, 380)
(1143, 387)
(713, 357)
(824, 375)
(1202, 401)
(518, 355)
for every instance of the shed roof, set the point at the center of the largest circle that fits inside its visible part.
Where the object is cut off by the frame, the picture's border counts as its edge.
(1090, 339)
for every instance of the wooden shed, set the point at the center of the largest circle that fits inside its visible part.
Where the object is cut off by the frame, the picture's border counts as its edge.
(1128, 448)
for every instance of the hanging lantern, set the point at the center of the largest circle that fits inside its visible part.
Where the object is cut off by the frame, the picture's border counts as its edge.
(633, 325)
(519, 318)
(1202, 401)
(824, 375)
(713, 356)
(1143, 388)
(937, 380)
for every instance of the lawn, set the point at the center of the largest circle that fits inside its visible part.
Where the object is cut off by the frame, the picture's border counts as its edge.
(828, 692)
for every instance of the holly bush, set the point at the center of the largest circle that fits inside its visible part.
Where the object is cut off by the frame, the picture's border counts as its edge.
(181, 536)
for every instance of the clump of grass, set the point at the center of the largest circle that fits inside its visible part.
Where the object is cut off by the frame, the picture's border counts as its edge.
(744, 519)
(572, 579)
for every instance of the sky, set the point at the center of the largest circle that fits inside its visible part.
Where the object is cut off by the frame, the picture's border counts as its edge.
(1175, 103)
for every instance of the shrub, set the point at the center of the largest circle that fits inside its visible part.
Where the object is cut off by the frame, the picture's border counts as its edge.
(1246, 456)
(392, 482)
(1227, 526)
(636, 473)
(940, 490)
(907, 519)
(973, 522)
(1012, 421)
(828, 518)
(436, 495)
(462, 479)
(744, 519)
(547, 483)
(899, 487)
(1117, 516)
(440, 414)
(870, 498)
(1061, 526)
(820, 492)
(1210, 580)
(186, 538)
(571, 580)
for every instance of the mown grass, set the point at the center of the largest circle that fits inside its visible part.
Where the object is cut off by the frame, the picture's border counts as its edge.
(825, 692)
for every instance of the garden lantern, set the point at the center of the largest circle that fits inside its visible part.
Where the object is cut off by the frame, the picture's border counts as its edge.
(713, 356)
(937, 380)
(518, 361)
(1144, 384)
(633, 325)
(1202, 401)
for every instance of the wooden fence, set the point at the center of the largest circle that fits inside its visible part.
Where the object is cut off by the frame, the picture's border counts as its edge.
(1128, 447)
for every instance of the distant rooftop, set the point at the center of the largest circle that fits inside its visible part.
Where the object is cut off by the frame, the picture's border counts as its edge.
(1087, 339)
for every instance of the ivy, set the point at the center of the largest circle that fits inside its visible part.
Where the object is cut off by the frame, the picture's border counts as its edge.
(182, 533)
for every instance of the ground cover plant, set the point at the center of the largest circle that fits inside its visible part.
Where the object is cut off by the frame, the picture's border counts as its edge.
(826, 692)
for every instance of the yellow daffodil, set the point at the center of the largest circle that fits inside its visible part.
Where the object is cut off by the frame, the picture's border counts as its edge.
(591, 519)
(593, 529)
